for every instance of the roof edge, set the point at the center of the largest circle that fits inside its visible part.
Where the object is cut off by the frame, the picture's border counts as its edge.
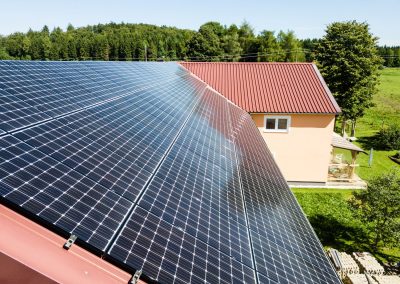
(27, 242)
(235, 63)
(328, 92)
(305, 113)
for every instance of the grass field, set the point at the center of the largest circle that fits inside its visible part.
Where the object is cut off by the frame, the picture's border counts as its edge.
(336, 227)
(327, 209)
(385, 112)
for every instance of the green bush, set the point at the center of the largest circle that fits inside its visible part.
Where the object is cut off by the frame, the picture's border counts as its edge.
(388, 138)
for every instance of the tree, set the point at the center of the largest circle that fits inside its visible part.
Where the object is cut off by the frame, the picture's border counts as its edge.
(291, 46)
(206, 44)
(125, 45)
(212, 27)
(84, 48)
(46, 47)
(390, 57)
(4, 54)
(71, 46)
(26, 43)
(348, 60)
(379, 208)
(231, 45)
(70, 28)
(197, 47)
(36, 46)
(100, 48)
(17, 45)
(397, 57)
(248, 42)
(269, 50)
(388, 138)
(309, 47)
(59, 47)
(45, 30)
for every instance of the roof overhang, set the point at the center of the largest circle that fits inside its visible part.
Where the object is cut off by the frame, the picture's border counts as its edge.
(342, 143)
(28, 251)
(328, 92)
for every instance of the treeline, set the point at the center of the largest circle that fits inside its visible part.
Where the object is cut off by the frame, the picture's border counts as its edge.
(100, 42)
(390, 55)
(212, 42)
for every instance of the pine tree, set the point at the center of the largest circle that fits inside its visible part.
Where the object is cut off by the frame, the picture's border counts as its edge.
(291, 47)
(247, 38)
(269, 50)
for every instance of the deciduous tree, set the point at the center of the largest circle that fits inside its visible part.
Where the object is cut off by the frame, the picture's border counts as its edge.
(231, 45)
(348, 60)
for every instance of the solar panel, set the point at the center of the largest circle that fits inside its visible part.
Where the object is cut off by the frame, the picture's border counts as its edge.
(154, 170)
(197, 182)
(58, 194)
(36, 91)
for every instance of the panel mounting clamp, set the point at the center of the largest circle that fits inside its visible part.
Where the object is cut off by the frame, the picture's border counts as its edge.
(135, 277)
(70, 242)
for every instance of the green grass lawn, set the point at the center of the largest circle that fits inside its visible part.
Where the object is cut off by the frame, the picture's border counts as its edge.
(380, 164)
(386, 111)
(387, 104)
(327, 209)
(332, 220)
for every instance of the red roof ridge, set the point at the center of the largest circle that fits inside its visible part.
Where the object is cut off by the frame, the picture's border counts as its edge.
(247, 63)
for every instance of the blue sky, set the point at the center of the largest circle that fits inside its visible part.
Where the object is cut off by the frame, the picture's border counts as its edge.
(307, 18)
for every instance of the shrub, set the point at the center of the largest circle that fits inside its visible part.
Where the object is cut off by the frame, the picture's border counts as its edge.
(379, 208)
(388, 138)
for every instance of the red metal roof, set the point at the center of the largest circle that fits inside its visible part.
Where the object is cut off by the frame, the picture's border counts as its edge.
(38, 256)
(268, 87)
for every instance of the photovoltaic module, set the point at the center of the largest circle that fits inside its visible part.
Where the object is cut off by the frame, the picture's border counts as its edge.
(153, 169)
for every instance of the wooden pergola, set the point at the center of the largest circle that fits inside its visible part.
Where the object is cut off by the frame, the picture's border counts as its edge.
(339, 169)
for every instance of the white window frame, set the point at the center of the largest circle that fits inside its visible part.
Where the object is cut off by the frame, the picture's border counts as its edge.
(276, 117)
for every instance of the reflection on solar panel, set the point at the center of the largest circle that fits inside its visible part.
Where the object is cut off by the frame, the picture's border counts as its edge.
(154, 170)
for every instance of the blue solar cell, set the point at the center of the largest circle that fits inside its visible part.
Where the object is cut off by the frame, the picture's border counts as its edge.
(58, 194)
(49, 89)
(165, 252)
(283, 240)
(116, 144)
(145, 163)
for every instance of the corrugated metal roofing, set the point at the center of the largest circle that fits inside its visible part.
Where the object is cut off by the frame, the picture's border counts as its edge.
(268, 87)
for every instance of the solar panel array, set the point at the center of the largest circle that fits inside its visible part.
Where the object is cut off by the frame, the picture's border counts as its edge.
(152, 168)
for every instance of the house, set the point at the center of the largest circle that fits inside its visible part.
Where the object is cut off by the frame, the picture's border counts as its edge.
(290, 104)
(111, 171)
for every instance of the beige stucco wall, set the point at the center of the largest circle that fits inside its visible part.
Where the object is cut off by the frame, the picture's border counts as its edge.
(303, 153)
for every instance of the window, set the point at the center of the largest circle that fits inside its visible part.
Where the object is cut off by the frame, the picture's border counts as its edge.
(276, 123)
